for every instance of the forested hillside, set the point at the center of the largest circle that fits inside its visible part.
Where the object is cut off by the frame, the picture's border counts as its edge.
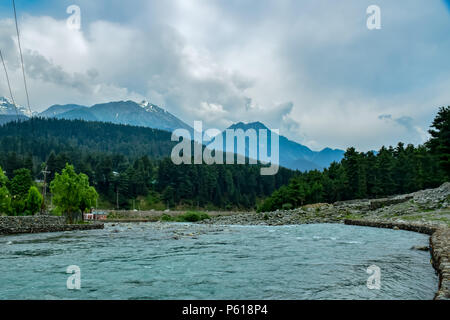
(127, 163)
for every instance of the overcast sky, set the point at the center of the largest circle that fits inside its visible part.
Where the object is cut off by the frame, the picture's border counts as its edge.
(308, 67)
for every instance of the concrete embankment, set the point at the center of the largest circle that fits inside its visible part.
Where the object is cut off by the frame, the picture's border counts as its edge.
(38, 224)
(439, 246)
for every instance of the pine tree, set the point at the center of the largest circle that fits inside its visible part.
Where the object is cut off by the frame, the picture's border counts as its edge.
(440, 141)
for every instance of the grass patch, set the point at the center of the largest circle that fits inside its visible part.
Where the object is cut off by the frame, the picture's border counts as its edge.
(190, 216)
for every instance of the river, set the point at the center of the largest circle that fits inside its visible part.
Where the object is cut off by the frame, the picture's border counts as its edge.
(190, 261)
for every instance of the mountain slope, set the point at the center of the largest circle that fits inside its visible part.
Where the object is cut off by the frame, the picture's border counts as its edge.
(57, 109)
(78, 114)
(292, 154)
(142, 114)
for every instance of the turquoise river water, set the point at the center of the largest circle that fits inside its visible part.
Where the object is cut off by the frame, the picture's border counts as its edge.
(189, 261)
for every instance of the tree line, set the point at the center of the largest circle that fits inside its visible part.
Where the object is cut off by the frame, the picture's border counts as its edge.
(399, 170)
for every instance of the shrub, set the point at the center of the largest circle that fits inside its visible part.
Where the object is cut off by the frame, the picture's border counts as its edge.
(166, 218)
(192, 216)
(5, 200)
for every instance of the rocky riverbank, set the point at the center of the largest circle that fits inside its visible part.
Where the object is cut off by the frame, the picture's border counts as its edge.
(38, 224)
(427, 207)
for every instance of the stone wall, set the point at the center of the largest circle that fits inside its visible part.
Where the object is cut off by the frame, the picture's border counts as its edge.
(440, 251)
(36, 224)
(416, 227)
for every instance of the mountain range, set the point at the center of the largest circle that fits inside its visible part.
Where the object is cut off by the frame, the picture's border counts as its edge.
(293, 155)
(144, 114)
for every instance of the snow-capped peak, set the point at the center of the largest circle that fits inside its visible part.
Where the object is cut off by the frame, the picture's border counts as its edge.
(26, 112)
(144, 104)
(149, 107)
(4, 100)
(8, 108)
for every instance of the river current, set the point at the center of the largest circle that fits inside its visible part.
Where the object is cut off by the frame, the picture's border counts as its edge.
(190, 261)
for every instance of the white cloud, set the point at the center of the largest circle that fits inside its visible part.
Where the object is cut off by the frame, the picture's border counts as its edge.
(310, 68)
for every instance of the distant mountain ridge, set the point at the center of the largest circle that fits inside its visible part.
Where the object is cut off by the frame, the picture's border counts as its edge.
(142, 114)
(57, 110)
(293, 155)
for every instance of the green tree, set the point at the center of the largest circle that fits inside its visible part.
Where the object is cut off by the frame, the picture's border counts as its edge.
(21, 183)
(3, 178)
(5, 201)
(353, 163)
(385, 165)
(71, 192)
(440, 139)
(18, 187)
(88, 199)
(33, 202)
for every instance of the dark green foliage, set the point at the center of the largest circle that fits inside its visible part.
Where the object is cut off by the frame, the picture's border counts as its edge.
(19, 187)
(21, 183)
(5, 201)
(33, 202)
(125, 162)
(166, 218)
(440, 141)
(192, 216)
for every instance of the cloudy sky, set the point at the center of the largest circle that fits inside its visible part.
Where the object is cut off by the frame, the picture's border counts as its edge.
(308, 67)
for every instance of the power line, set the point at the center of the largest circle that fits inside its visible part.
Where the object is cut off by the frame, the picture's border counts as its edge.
(9, 85)
(21, 58)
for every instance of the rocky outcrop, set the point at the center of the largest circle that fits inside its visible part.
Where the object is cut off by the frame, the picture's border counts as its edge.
(42, 223)
(433, 198)
(379, 203)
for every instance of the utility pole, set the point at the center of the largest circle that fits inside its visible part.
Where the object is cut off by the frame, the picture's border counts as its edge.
(45, 172)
